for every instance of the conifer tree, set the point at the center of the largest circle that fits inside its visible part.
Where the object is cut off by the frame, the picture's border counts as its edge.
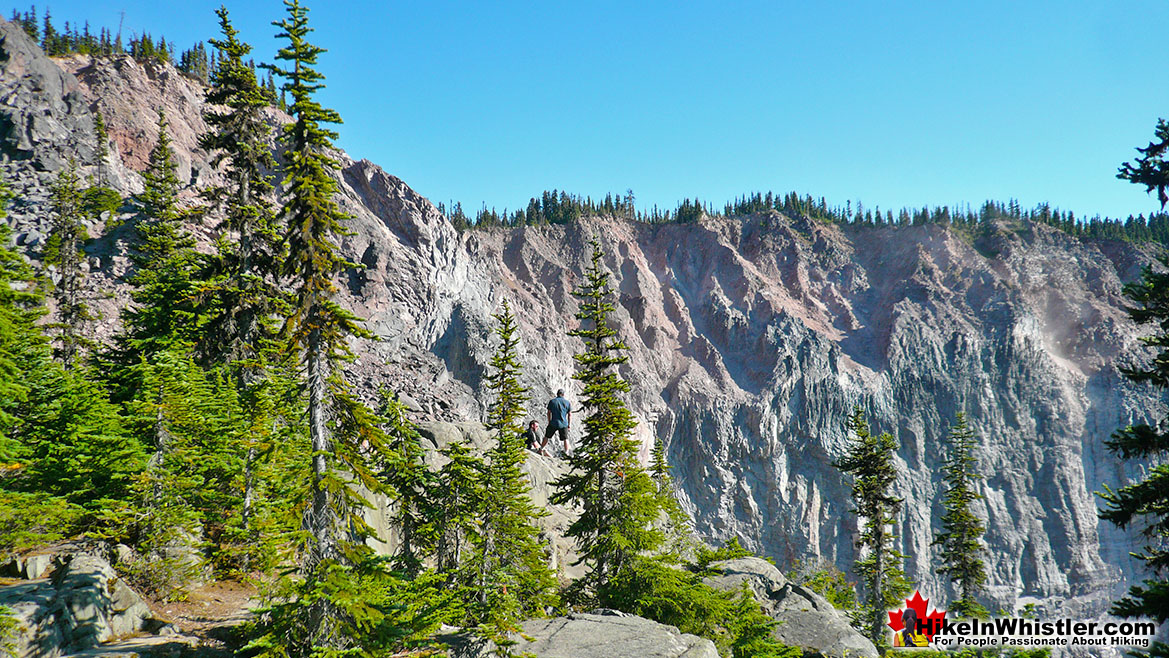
(961, 549)
(341, 599)
(870, 462)
(316, 325)
(20, 306)
(1146, 501)
(164, 290)
(242, 296)
(413, 485)
(1151, 169)
(64, 252)
(512, 578)
(617, 499)
(458, 506)
(102, 137)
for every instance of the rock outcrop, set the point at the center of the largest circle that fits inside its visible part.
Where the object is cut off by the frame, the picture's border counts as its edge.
(750, 341)
(806, 619)
(83, 604)
(596, 634)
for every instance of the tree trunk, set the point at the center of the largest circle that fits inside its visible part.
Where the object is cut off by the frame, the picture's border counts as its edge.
(320, 523)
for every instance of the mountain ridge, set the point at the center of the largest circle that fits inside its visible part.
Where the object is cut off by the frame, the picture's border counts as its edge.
(751, 339)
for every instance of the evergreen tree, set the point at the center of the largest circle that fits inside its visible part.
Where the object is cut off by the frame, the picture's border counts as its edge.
(1151, 169)
(962, 553)
(1147, 500)
(870, 462)
(512, 578)
(338, 601)
(413, 485)
(242, 296)
(459, 504)
(64, 252)
(164, 289)
(316, 325)
(20, 306)
(617, 499)
(103, 146)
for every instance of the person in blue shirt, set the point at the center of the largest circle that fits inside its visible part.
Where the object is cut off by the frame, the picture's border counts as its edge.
(559, 420)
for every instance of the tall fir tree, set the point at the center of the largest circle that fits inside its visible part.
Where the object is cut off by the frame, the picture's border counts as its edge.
(317, 325)
(345, 598)
(1146, 502)
(64, 252)
(869, 461)
(617, 498)
(242, 295)
(962, 553)
(163, 286)
(512, 578)
(102, 153)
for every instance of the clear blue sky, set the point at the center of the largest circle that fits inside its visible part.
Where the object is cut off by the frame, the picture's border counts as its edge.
(889, 103)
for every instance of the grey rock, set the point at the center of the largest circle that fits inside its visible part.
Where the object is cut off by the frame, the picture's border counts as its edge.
(598, 634)
(35, 566)
(84, 604)
(807, 620)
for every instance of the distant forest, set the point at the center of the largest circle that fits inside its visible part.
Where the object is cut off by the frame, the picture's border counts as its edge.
(556, 207)
(197, 61)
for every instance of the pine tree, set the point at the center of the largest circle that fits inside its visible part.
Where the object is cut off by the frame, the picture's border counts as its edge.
(458, 507)
(617, 499)
(64, 252)
(414, 487)
(102, 137)
(1151, 168)
(20, 306)
(962, 553)
(512, 578)
(1146, 501)
(336, 603)
(870, 462)
(164, 290)
(242, 295)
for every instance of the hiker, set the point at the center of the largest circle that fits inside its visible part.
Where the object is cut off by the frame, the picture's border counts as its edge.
(559, 420)
(532, 437)
(910, 634)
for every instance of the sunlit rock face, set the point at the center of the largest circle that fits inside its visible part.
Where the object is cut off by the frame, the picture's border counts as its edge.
(750, 339)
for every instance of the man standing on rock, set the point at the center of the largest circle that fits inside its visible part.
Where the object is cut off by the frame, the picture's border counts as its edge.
(559, 420)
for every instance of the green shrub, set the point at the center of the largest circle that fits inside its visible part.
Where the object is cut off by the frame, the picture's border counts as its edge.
(29, 520)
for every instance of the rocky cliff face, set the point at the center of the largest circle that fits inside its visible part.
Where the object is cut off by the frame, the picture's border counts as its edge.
(750, 339)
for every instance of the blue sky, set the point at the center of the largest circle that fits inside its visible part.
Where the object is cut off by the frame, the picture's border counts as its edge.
(891, 103)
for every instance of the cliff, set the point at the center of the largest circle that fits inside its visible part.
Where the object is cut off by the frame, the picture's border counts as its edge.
(750, 339)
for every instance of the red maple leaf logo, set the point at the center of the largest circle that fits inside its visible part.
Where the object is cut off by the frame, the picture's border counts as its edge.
(919, 606)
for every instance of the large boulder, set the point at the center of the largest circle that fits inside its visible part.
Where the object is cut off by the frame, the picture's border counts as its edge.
(596, 634)
(806, 619)
(81, 605)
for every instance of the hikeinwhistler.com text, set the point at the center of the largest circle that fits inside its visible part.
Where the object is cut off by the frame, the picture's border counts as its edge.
(1020, 632)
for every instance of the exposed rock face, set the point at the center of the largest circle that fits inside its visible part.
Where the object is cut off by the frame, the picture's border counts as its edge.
(599, 634)
(750, 341)
(82, 605)
(806, 619)
(541, 473)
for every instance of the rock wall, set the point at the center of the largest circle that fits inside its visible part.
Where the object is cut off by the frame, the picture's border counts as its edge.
(750, 339)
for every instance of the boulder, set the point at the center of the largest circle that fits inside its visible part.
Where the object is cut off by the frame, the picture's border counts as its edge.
(83, 604)
(807, 620)
(597, 634)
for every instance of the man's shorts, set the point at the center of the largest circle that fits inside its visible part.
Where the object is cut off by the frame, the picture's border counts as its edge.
(553, 430)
